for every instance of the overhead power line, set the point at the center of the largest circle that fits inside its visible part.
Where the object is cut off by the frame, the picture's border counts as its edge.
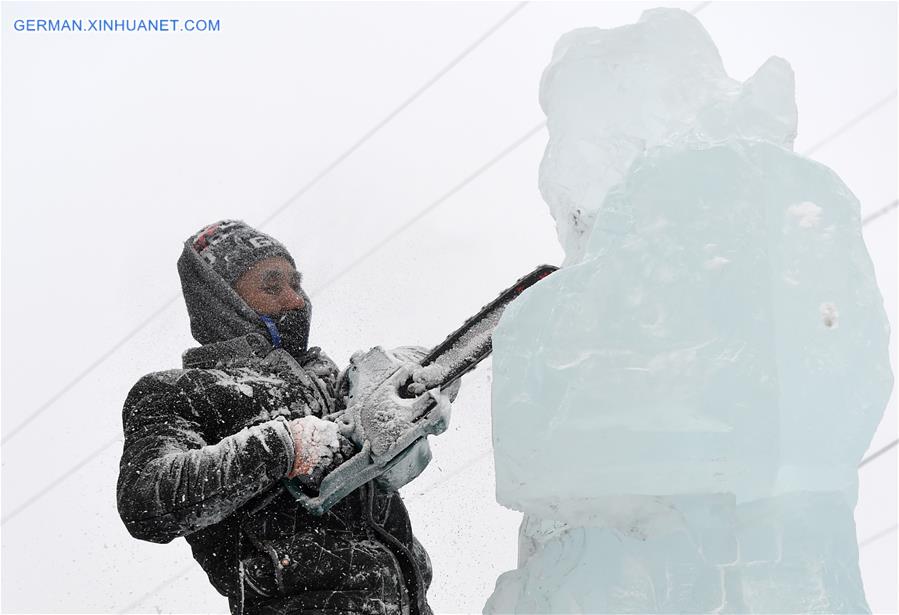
(845, 127)
(279, 210)
(880, 212)
(182, 572)
(109, 352)
(368, 135)
(383, 242)
(355, 263)
(97, 452)
(429, 208)
(433, 205)
(128, 336)
(59, 480)
(884, 532)
(878, 453)
(449, 477)
(87, 370)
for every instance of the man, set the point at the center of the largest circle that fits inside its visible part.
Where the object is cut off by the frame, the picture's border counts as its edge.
(207, 446)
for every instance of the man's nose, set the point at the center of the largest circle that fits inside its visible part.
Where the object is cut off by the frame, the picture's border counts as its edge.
(294, 301)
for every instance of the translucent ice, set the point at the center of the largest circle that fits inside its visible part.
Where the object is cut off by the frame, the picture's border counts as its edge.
(681, 409)
(609, 95)
(792, 554)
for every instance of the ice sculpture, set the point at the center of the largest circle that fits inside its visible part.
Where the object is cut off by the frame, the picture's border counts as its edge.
(680, 410)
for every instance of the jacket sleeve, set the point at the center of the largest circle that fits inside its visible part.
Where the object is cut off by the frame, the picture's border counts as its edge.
(172, 482)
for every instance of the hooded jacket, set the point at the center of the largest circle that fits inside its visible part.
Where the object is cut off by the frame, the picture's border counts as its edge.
(206, 447)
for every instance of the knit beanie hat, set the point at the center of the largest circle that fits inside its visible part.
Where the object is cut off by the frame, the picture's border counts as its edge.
(231, 247)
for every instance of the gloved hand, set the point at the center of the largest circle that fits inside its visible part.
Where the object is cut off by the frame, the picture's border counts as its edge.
(375, 364)
(319, 448)
(369, 369)
(424, 378)
(380, 415)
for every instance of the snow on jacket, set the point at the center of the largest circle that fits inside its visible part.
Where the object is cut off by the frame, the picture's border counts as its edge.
(206, 448)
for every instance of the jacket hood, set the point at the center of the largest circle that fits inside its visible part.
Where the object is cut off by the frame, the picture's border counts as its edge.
(216, 311)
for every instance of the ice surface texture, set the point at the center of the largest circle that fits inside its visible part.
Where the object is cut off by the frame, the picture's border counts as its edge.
(681, 409)
(609, 95)
(791, 554)
(713, 340)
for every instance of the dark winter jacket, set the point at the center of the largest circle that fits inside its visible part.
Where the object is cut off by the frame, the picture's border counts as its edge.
(206, 448)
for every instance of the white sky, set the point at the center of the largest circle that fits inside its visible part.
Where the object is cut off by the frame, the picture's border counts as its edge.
(116, 146)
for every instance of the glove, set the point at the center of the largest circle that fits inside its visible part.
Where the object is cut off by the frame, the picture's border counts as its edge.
(383, 416)
(374, 365)
(319, 448)
(425, 378)
(369, 369)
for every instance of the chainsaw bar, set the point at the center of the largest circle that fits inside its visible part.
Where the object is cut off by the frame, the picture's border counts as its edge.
(457, 355)
(471, 343)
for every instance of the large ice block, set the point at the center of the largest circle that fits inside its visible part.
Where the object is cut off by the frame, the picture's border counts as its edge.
(680, 410)
(609, 95)
(795, 553)
(723, 334)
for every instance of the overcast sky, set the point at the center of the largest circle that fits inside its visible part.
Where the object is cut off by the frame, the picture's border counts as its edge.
(117, 146)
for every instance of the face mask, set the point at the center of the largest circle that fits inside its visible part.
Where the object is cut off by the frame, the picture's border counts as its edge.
(290, 331)
(294, 329)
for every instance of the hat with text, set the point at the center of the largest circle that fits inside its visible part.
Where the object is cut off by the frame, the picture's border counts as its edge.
(231, 247)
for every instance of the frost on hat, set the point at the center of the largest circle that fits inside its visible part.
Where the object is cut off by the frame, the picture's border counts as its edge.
(231, 247)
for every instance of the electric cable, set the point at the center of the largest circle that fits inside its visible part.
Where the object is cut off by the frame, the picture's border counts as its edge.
(59, 481)
(445, 479)
(858, 118)
(394, 113)
(384, 241)
(103, 357)
(87, 370)
(128, 336)
(884, 532)
(183, 571)
(433, 205)
(877, 454)
(471, 177)
(880, 212)
(374, 249)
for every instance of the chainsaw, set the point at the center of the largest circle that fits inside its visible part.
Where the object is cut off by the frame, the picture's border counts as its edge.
(447, 362)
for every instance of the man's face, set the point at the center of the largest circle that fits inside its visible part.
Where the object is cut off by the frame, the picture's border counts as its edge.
(271, 287)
